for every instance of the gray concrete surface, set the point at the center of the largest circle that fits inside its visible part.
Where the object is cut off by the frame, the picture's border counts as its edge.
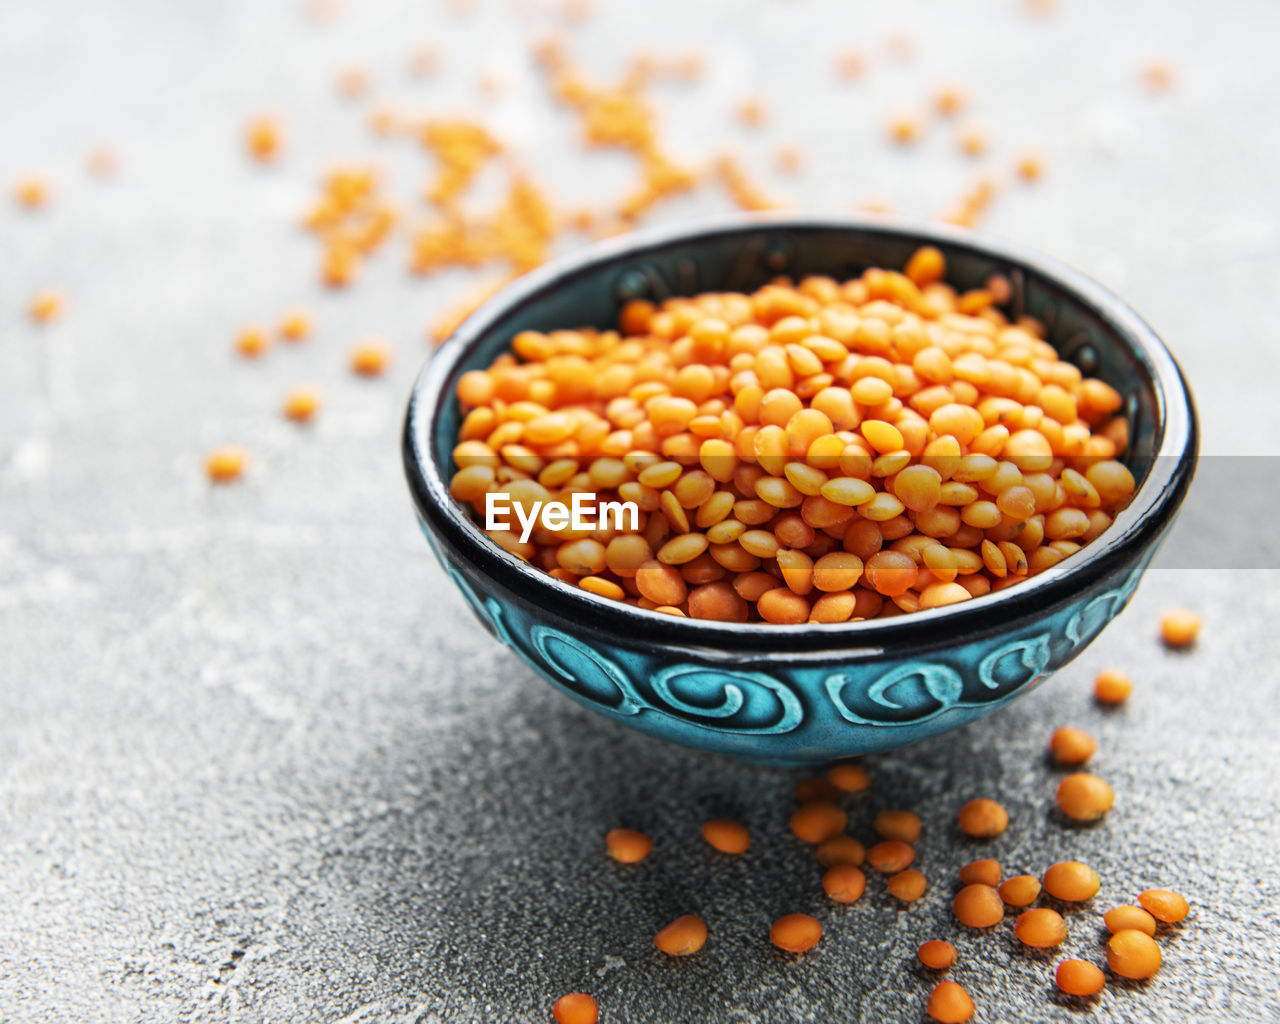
(257, 763)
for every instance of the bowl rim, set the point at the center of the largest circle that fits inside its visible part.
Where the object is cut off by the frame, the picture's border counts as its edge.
(1137, 526)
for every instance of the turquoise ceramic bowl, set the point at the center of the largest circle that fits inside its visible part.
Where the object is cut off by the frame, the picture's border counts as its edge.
(805, 693)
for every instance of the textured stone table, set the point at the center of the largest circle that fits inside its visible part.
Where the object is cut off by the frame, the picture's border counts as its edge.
(257, 762)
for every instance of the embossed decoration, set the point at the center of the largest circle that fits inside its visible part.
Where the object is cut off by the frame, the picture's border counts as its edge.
(913, 692)
(1016, 664)
(749, 702)
(592, 676)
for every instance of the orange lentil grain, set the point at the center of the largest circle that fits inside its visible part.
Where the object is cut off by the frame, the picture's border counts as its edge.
(1133, 954)
(1071, 746)
(263, 138)
(1112, 687)
(252, 342)
(795, 933)
(685, 935)
(981, 872)
(891, 856)
(1084, 797)
(301, 404)
(626, 845)
(295, 325)
(841, 850)
(31, 191)
(844, 883)
(370, 358)
(1079, 978)
(902, 825)
(849, 778)
(978, 906)
(46, 305)
(1117, 919)
(1164, 905)
(983, 818)
(818, 822)
(949, 1003)
(1179, 628)
(1020, 890)
(1071, 881)
(726, 836)
(225, 464)
(1040, 928)
(575, 1008)
(908, 885)
(815, 789)
(937, 954)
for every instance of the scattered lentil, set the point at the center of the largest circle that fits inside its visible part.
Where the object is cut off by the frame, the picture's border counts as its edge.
(844, 883)
(1084, 797)
(1071, 881)
(1040, 928)
(1179, 628)
(796, 933)
(817, 822)
(983, 819)
(1133, 954)
(981, 872)
(225, 464)
(1020, 890)
(1164, 905)
(1071, 746)
(841, 850)
(575, 1008)
(949, 1003)
(370, 358)
(1079, 978)
(891, 856)
(1112, 687)
(849, 778)
(683, 936)
(726, 836)
(937, 954)
(907, 885)
(1117, 919)
(902, 825)
(302, 404)
(978, 906)
(626, 845)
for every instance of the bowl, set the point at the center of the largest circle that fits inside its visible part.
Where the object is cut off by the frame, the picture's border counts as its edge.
(804, 693)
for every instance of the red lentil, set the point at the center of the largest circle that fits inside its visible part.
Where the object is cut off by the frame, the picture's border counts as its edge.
(796, 933)
(1071, 746)
(978, 906)
(983, 819)
(891, 856)
(1020, 890)
(683, 936)
(575, 1008)
(817, 822)
(937, 954)
(626, 845)
(1040, 928)
(902, 825)
(841, 850)
(1133, 954)
(844, 883)
(1164, 905)
(849, 778)
(1071, 881)
(1079, 978)
(225, 464)
(1084, 797)
(907, 885)
(1117, 919)
(726, 836)
(983, 872)
(1179, 628)
(1112, 687)
(949, 1003)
